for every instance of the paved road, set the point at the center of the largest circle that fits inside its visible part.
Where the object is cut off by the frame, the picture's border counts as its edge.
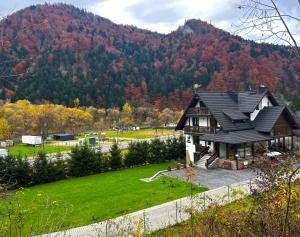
(156, 217)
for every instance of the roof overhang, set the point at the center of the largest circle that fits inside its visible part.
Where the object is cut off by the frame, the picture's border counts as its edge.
(237, 137)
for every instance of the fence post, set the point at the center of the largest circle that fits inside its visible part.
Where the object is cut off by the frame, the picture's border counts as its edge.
(144, 216)
(176, 214)
(228, 193)
(106, 229)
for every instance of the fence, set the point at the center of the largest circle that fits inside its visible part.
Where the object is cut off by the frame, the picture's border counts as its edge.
(161, 216)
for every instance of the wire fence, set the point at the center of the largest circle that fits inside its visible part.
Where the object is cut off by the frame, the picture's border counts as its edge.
(161, 216)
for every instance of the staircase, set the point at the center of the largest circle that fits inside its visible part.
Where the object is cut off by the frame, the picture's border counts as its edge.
(207, 161)
(201, 163)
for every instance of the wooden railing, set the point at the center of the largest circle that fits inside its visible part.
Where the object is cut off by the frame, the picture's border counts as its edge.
(197, 129)
(211, 159)
(198, 111)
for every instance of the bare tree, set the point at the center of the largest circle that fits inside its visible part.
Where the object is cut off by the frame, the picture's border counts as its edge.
(266, 17)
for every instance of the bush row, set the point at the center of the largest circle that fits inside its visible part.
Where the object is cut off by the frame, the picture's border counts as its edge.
(17, 172)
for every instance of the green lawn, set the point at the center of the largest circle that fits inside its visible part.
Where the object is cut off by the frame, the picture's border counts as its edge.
(95, 198)
(140, 134)
(24, 150)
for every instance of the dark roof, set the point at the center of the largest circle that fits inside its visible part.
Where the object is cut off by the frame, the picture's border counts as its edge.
(234, 114)
(181, 123)
(236, 137)
(63, 134)
(296, 132)
(216, 102)
(267, 117)
(248, 100)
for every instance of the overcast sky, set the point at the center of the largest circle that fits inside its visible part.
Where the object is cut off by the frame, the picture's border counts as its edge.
(162, 15)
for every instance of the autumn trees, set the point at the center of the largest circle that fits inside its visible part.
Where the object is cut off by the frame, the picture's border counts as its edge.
(22, 117)
(84, 60)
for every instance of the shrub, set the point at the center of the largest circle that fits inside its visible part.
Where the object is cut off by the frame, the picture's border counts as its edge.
(14, 172)
(115, 157)
(84, 161)
(23, 172)
(157, 151)
(58, 170)
(42, 170)
(137, 154)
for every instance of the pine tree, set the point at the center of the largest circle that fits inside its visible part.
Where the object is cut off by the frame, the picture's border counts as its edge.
(115, 157)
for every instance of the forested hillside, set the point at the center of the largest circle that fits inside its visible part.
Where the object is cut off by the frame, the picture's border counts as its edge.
(60, 53)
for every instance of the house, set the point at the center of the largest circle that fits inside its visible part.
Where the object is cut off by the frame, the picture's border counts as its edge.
(231, 129)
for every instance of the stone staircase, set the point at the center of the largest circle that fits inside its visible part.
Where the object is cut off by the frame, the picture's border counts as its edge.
(202, 162)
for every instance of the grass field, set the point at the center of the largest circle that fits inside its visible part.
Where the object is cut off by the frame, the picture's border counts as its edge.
(140, 134)
(27, 151)
(81, 201)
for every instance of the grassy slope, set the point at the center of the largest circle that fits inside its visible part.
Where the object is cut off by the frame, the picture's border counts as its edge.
(24, 150)
(99, 197)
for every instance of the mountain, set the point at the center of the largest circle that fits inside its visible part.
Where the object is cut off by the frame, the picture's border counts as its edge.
(60, 53)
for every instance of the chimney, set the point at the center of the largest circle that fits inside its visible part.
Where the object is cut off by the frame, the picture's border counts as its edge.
(197, 88)
(262, 89)
(233, 95)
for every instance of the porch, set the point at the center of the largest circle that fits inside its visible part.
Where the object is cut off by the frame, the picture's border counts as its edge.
(239, 149)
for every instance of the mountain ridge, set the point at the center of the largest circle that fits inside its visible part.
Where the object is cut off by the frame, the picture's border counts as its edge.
(68, 53)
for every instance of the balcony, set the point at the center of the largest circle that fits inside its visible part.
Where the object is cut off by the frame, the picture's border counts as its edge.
(198, 111)
(197, 129)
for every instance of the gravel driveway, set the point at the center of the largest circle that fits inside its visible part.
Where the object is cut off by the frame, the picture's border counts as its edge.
(215, 178)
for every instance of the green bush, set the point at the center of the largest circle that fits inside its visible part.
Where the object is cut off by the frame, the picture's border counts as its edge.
(14, 172)
(137, 154)
(42, 169)
(84, 161)
(157, 151)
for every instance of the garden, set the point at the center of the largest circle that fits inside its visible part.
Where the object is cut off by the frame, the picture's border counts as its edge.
(89, 187)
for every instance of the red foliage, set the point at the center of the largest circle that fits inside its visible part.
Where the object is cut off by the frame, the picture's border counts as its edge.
(19, 68)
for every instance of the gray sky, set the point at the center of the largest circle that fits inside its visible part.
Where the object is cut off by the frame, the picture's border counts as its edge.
(162, 16)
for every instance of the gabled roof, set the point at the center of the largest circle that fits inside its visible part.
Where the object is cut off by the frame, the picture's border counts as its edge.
(182, 121)
(216, 102)
(267, 117)
(236, 137)
(248, 100)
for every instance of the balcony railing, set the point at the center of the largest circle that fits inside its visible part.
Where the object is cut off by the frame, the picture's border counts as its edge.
(197, 129)
(198, 111)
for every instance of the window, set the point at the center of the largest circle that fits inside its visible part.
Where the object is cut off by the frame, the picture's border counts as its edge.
(196, 140)
(195, 121)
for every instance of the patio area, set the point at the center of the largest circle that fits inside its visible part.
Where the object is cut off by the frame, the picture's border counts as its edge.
(215, 178)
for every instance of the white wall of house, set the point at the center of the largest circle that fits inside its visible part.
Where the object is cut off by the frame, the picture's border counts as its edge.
(189, 146)
(265, 102)
(204, 121)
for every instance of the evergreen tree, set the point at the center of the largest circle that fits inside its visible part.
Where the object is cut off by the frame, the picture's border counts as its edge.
(137, 154)
(41, 169)
(83, 162)
(23, 172)
(115, 157)
(157, 151)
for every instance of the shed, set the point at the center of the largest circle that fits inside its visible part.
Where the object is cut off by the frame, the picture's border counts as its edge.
(64, 137)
